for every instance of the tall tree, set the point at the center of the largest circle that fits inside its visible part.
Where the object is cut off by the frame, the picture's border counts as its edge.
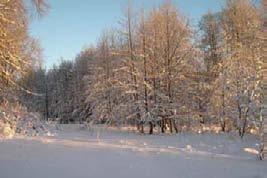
(211, 40)
(240, 25)
(14, 20)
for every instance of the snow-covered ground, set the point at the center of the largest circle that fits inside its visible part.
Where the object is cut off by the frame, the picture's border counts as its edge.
(76, 153)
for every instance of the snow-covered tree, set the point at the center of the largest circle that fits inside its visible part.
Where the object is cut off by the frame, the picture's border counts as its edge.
(14, 20)
(240, 25)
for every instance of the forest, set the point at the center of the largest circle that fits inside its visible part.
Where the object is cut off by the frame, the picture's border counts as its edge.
(157, 95)
(155, 71)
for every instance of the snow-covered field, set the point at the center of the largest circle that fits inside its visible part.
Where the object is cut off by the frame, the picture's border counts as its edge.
(76, 153)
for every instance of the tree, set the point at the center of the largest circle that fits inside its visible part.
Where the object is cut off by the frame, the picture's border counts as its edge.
(211, 39)
(240, 25)
(103, 90)
(170, 52)
(14, 18)
(35, 98)
(82, 68)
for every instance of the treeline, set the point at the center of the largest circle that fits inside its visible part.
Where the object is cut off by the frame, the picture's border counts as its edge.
(62, 90)
(156, 71)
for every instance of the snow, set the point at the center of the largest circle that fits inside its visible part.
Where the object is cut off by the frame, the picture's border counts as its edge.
(7, 131)
(16, 119)
(76, 153)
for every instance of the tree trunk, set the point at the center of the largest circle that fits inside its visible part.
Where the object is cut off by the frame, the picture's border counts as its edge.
(223, 125)
(175, 126)
(151, 128)
(170, 125)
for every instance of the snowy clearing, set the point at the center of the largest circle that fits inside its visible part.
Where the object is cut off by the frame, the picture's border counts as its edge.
(76, 153)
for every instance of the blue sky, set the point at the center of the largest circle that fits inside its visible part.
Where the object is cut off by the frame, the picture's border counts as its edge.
(73, 24)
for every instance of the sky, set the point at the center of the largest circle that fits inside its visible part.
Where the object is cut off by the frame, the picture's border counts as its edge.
(71, 25)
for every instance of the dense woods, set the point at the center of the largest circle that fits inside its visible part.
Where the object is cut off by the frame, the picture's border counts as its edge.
(154, 72)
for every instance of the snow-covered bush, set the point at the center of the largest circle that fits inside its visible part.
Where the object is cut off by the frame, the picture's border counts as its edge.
(14, 119)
